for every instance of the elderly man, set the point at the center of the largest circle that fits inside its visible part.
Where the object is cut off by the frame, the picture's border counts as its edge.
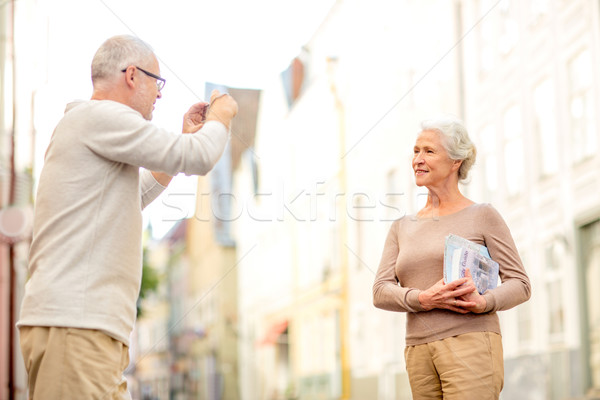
(85, 258)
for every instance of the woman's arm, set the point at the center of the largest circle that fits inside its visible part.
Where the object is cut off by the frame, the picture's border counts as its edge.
(515, 288)
(389, 295)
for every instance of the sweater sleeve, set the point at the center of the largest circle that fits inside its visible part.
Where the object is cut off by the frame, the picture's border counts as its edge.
(387, 293)
(150, 189)
(515, 288)
(122, 135)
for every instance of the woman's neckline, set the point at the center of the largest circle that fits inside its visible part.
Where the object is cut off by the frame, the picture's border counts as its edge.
(433, 216)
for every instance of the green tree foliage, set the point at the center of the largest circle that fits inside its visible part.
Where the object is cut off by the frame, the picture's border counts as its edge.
(150, 281)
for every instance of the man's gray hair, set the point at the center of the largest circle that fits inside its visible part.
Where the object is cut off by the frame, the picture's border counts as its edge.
(456, 141)
(118, 53)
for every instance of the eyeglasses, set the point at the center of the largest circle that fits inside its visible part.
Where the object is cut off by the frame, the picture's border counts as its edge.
(160, 82)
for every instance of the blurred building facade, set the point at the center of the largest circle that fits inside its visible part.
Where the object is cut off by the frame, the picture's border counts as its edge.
(186, 342)
(287, 313)
(531, 86)
(149, 374)
(22, 71)
(333, 152)
(187, 339)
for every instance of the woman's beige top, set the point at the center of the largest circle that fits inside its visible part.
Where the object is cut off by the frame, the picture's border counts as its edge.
(412, 261)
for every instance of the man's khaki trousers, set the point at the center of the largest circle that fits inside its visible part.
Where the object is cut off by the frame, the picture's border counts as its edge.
(68, 363)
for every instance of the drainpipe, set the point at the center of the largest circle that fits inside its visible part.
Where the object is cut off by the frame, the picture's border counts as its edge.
(11, 200)
(344, 297)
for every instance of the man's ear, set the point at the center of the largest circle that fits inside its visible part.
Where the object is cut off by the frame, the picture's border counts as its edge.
(130, 78)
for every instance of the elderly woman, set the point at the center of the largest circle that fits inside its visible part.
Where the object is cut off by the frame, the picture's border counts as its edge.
(453, 343)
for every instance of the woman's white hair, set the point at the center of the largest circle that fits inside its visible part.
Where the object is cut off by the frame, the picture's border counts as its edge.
(456, 141)
(118, 53)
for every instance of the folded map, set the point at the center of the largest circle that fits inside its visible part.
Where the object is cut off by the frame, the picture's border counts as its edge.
(460, 254)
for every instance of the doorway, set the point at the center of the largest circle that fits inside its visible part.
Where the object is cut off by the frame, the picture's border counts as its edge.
(590, 257)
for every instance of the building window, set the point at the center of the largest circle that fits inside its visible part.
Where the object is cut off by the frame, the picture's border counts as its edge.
(581, 106)
(394, 197)
(539, 9)
(556, 322)
(525, 315)
(554, 292)
(509, 27)
(525, 325)
(487, 37)
(487, 138)
(513, 151)
(590, 269)
(545, 127)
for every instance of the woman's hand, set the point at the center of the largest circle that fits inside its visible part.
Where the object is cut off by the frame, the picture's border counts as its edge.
(454, 296)
(474, 297)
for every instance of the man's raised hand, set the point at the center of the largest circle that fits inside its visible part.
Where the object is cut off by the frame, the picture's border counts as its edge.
(222, 108)
(194, 119)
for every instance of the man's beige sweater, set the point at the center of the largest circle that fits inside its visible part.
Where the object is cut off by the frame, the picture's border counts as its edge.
(412, 261)
(85, 257)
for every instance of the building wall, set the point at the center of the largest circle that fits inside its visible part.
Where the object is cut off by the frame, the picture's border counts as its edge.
(523, 75)
(22, 70)
(334, 172)
(531, 89)
(212, 304)
(150, 344)
(195, 311)
(6, 122)
(187, 338)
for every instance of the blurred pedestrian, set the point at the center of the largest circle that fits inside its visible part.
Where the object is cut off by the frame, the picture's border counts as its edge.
(453, 340)
(85, 258)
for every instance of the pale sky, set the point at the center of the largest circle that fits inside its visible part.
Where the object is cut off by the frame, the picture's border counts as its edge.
(236, 43)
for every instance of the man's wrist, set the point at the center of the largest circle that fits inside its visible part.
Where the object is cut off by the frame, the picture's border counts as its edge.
(162, 178)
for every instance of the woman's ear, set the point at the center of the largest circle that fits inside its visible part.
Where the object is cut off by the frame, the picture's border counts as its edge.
(456, 165)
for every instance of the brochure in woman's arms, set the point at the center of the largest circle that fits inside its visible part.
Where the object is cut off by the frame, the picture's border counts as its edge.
(460, 254)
